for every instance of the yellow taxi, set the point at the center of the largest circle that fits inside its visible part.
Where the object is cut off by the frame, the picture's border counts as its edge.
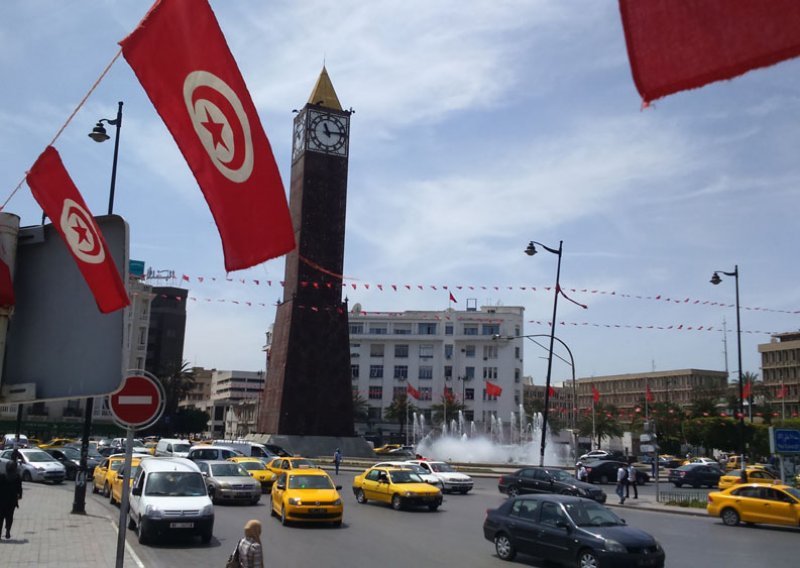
(385, 449)
(258, 471)
(307, 495)
(57, 443)
(754, 475)
(279, 465)
(116, 485)
(105, 472)
(734, 462)
(396, 486)
(34, 443)
(756, 503)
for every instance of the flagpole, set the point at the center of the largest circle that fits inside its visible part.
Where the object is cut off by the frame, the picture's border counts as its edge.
(593, 428)
(783, 400)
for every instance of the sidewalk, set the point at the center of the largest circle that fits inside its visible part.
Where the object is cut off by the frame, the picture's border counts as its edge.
(45, 533)
(650, 504)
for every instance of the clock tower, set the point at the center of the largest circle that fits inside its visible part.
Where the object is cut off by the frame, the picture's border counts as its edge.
(308, 387)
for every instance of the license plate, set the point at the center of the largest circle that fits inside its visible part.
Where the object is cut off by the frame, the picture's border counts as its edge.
(317, 510)
(181, 525)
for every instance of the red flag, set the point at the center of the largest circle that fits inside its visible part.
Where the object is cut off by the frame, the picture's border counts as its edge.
(6, 285)
(412, 392)
(62, 202)
(595, 394)
(746, 390)
(453, 298)
(674, 46)
(183, 62)
(781, 392)
(649, 395)
(493, 389)
(551, 391)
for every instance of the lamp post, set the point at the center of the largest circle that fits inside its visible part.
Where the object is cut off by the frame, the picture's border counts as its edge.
(530, 251)
(715, 279)
(99, 134)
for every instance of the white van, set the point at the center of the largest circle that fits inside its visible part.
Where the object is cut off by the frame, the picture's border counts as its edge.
(249, 449)
(172, 448)
(9, 439)
(205, 452)
(170, 495)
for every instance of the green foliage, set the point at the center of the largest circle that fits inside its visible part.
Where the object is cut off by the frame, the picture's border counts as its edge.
(191, 421)
(360, 408)
(399, 411)
(177, 385)
(449, 407)
(605, 422)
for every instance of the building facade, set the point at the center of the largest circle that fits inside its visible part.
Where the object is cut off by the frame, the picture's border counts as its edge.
(235, 398)
(780, 372)
(166, 331)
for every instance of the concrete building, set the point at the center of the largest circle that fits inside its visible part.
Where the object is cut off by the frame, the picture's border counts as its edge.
(234, 402)
(436, 350)
(166, 330)
(780, 372)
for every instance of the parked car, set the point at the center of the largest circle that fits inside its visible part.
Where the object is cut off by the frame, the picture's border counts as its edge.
(70, 458)
(396, 486)
(258, 470)
(452, 480)
(36, 465)
(426, 475)
(756, 503)
(547, 480)
(228, 481)
(308, 495)
(665, 461)
(115, 497)
(563, 529)
(754, 475)
(10, 439)
(248, 449)
(695, 474)
(602, 455)
(605, 471)
(172, 448)
(106, 470)
(707, 461)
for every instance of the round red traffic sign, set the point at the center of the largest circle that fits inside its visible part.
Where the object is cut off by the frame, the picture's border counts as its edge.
(139, 403)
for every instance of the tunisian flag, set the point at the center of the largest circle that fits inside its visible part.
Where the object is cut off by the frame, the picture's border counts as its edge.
(183, 62)
(595, 395)
(412, 392)
(649, 394)
(493, 389)
(62, 202)
(674, 46)
(6, 285)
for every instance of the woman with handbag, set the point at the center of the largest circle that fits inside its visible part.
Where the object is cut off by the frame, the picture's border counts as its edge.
(248, 552)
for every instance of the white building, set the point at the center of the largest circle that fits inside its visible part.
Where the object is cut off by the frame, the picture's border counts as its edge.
(434, 350)
(235, 396)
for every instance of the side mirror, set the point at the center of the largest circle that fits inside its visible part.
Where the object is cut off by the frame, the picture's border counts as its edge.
(280, 486)
(136, 491)
(204, 474)
(338, 488)
(562, 524)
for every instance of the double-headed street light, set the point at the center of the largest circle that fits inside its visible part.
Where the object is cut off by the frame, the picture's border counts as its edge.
(530, 251)
(99, 134)
(715, 279)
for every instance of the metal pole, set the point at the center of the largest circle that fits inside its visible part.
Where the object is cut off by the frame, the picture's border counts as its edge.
(550, 359)
(118, 124)
(79, 500)
(123, 503)
(741, 380)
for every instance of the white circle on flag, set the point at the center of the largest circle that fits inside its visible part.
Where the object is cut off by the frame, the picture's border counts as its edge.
(221, 124)
(80, 232)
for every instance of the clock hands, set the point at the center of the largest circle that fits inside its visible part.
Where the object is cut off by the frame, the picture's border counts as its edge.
(329, 132)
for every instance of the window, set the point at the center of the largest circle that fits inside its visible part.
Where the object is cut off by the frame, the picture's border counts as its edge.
(401, 351)
(354, 371)
(448, 372)
(426, 351)
(143, 336)
(448, 351)
(401, 372)
(490, 329)
(470, 329)
(448, 329)
(516, 353)
(402, 329)
(469, 394)
(356, 328)
(398, 392)
(525, 509)
(490, 373)
(469, 351)
(376, 371)
(375, 414)
(469, 372)
(375, 393)
(425, 393)
(490, 352)
(427, 328)
(425, 372)
(378, 328)
(376, 350)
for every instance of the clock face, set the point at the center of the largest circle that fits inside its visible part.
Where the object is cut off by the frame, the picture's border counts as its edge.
(327, 133)
(299, 140)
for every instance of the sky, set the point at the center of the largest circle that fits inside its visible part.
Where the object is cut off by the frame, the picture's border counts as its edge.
(478, 127)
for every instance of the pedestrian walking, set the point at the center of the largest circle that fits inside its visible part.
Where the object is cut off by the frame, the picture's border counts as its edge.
(10, 494)
(337, 459)
(583, 475)
(622, 475)
(249, 550)
(631, 483)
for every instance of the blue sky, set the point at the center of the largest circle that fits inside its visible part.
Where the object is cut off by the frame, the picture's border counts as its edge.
(478, 127)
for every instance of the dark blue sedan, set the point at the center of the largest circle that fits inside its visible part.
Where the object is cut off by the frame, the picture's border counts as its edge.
(572, 531)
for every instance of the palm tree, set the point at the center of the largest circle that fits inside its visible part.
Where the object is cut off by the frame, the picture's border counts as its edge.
(177, 385)
(399, 410)
(448, 408)
(605, 422)
(360, 408)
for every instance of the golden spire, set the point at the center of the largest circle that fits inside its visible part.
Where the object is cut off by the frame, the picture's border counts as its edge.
(323, 93)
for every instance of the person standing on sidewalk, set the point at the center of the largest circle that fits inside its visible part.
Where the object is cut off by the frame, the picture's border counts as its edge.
(10, 494)
(622, 474)
(250, 553)
(631, 482)
(337, 459)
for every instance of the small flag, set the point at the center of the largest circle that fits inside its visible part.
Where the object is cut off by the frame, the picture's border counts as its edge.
(595, 394)
(412, 392)
(782, 392)
(551, 391)
(649, 395)
(746, 390)
(453, 298)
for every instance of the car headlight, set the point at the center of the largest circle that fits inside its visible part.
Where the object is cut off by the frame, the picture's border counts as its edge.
(207, 510)
(614, 546)
(224, 485)
(152, 511)
(295, 501)
(337, 502)
(408, 494)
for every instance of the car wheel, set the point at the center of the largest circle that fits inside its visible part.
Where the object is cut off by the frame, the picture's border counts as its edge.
(94, 487)
(360, 497)
(587, 559)
(212, 495)
(131, 524)
(397, 503)
(26, 475)
(730, 517)
(141, 532)
(603, 479)
(255, 501)
(111, 499)
(464, 491)
(513, 491)
(205, 537)
(284, 522)
(433, 507)
(502, 545)
(106, 491)
(695, 485)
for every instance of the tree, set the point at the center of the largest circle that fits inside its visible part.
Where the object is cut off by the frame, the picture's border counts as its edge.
(605, 422)
(449, 407)
(360, 408)
(191, 421)
(399, 410)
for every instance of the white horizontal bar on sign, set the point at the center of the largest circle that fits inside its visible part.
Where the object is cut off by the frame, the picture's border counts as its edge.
(144, 399)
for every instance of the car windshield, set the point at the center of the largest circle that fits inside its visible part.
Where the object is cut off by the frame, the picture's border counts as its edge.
(310, 482)
(793, 491)
(405, 476)
(181, 448)
(561, 475)
(175, 484)
(252, 466)
(303, 463)
(441, 467)
(39, 457)
(585, 514)
(227, 470)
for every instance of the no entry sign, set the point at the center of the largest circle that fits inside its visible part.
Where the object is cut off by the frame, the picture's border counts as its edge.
(139, 403)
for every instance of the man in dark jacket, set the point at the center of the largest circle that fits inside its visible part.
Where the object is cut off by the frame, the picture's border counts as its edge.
(10, 494)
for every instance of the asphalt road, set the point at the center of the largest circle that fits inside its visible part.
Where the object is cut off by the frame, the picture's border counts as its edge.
(375, 535)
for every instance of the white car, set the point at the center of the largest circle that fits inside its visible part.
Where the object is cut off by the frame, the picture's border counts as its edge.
(426, 475)
(36, 465)
(452, 481)
(596, 455)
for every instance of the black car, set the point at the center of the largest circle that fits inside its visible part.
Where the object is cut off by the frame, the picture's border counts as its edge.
(605, 471)
(547, 480)
(695, 474)
(70, 458)
(568, 530)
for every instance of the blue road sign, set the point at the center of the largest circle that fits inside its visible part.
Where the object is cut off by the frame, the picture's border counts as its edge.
(787, 441)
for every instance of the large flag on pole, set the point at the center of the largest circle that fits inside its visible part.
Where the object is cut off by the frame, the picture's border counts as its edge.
(412, 392)
(493, 389)
(6, 285)
(595, 395)
(62, 202)
(183, 62)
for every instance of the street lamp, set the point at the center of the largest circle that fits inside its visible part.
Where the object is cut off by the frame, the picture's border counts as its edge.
(99, 134)
(715, 279)
(530, 251)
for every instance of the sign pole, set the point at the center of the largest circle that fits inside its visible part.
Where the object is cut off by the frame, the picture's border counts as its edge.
(123, 505)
